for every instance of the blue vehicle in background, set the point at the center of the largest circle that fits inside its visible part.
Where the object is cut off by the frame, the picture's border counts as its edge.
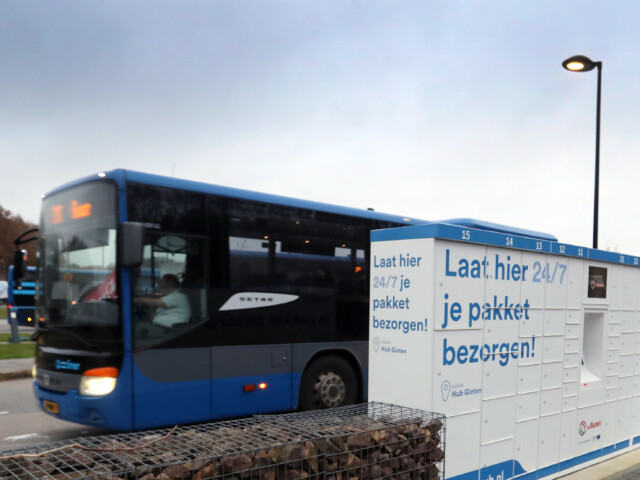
(20, 297)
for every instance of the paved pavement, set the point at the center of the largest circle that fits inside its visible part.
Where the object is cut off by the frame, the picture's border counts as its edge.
(622, 467)
(15, 368)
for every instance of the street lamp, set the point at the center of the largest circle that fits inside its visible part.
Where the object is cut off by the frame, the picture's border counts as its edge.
(580, 63)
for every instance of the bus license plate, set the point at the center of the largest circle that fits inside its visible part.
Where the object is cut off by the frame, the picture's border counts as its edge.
(51, 407)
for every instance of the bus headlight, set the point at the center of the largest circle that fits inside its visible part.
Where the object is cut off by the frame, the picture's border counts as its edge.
(98, 381)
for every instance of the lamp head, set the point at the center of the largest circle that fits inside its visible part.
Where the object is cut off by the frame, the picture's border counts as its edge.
(579, 63)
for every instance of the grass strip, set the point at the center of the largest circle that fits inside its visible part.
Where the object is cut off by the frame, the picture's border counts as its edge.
(16, 350)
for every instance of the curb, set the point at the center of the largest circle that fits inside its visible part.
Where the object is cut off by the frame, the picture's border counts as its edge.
(15, 375)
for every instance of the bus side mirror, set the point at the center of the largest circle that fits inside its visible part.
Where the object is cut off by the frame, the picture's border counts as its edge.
(131, 243)
(19, 258)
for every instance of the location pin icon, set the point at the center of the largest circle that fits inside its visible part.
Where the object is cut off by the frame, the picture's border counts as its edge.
(376, 343)
(445, 388)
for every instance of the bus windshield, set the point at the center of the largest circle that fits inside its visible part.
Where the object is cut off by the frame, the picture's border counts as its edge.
(76, 269)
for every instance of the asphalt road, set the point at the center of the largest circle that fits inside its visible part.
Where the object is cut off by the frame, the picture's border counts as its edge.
(22, 424)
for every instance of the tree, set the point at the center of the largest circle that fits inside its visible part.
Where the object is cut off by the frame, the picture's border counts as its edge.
(11, 226)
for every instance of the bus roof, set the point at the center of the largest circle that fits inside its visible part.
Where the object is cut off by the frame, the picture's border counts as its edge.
(121, 176)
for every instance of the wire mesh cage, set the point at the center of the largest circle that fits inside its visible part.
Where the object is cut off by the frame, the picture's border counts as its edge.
(370, 441)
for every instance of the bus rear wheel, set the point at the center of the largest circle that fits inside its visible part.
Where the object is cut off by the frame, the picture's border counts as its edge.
(329, 381)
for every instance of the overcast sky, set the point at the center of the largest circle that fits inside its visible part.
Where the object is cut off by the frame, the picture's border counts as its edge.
(429, 109)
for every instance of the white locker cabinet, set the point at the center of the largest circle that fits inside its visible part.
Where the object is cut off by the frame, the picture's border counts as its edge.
(526, 436)
(576, 283)
(613, 343)
(569, 403)
(571, 360)
(636, 363)
(549, 440)
(610, 422)
(555, 294)
(591, 395)
(623, 425)
(553, 349)
(554, 322)
(552, 374)
(571, 345)
(635, 413)
(492, 459)
(570, 389)
(568, 435)
(550, 401)
(466, 449)
(529, 378)
(627, 364)
(574, 317)
(498, 419)
(611, 395)
(616, 288)
(612, 368)
(572, 332)
(529, 346)
(527, 406)
(611, 383)
(532, 290)
(614, 330)
(615, 317)
(625, 387)
(501, 332)
(571, 374)
(636, 385)
(532, 324)
(501, 265)
(627, 343)
(613, 356)
(630, 299)
(628, 322)
(499, 381)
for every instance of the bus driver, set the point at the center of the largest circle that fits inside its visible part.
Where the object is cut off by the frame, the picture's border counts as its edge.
(172, 307)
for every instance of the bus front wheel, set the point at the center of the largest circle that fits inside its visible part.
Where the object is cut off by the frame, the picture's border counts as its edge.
(329, 381)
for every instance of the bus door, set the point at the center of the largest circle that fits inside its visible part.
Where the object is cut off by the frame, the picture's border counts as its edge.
(172, 374)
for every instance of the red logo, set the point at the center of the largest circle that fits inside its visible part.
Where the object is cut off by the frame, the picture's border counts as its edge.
(584, 427)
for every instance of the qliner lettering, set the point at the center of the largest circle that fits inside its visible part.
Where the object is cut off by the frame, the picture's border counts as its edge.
(487, 311)
(477, 268)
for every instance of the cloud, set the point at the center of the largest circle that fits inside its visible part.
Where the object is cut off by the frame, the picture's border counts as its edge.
(433, 109)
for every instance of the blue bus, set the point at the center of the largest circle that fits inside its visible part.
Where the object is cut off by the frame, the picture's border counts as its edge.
(165, 301)
(20, 297)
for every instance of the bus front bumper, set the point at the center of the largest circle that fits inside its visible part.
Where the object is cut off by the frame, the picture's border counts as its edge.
(109, 411)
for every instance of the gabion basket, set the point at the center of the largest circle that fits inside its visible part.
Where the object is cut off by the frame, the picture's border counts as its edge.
(370, 441)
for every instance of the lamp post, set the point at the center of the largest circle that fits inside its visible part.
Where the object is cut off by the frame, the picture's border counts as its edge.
(580, 63)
